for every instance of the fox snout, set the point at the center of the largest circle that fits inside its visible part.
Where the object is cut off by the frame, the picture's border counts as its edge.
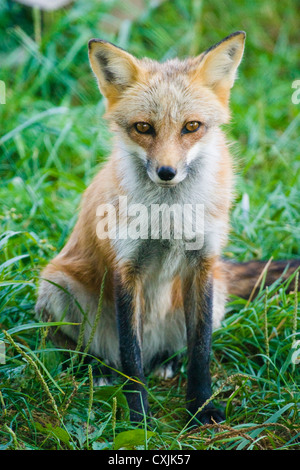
(166, 173)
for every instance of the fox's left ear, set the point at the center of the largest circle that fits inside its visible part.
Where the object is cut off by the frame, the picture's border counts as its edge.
(114, 68)
(219, 64)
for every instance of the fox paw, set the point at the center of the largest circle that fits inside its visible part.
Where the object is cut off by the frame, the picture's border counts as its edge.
(164, 372)
(209, 415)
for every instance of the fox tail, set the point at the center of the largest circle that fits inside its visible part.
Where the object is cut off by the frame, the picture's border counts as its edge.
(244, 279)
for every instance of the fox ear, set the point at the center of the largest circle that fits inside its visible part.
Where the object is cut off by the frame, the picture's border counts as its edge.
(219, 64)
(114, 68)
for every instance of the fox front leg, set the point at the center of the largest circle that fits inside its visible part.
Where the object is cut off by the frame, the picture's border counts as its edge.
(129, 320)
(198, 305)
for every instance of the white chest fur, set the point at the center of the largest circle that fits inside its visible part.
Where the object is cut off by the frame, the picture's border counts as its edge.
(183, 217)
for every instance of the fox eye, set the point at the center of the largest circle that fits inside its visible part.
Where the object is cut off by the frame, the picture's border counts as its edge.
(143, 128)
(191, 126)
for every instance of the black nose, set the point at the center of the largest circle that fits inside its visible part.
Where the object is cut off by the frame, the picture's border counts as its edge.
(166, 173)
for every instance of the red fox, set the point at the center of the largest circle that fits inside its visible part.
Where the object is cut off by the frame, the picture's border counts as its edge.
(165, 287)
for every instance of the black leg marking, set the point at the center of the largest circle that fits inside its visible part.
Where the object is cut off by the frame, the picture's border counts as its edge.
(130, 338)
(198, 310)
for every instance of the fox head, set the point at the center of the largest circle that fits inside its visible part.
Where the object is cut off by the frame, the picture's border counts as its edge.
(166, 114)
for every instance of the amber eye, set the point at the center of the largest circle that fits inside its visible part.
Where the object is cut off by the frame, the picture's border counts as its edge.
(143, 128)
(191, 126)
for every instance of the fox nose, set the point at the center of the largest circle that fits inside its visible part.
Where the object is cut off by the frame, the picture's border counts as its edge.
(166, 173)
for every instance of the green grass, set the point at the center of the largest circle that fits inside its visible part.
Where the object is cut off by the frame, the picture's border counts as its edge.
(52, 141)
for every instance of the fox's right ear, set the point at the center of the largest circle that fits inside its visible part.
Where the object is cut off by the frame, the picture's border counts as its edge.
(115, 69)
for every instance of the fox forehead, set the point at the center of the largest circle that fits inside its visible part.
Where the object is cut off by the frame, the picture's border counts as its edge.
(168, 92)
(145, 89)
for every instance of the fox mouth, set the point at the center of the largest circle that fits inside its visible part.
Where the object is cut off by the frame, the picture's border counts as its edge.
(166, 184)
(163, 184)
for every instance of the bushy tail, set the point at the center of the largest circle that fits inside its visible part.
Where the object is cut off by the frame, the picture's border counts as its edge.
(244, 279)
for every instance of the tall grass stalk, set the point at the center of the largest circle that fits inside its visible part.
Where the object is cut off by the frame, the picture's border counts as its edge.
(39, 376)
(266, 335)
